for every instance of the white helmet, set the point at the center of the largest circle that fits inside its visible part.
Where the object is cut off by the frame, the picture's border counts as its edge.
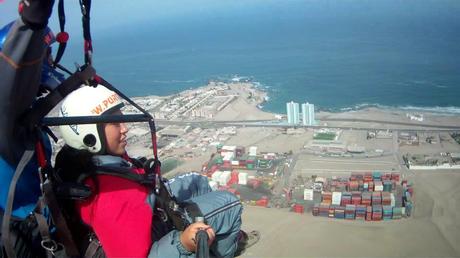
(88, 101)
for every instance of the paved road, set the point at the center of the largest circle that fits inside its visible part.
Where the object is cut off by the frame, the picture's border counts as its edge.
(270, 123)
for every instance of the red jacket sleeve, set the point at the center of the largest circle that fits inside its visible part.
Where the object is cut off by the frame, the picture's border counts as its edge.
(120, 217)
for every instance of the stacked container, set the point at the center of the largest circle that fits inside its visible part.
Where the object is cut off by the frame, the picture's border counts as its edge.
(368, 177)
(331, 211)
(377, 212)
(366, 198)
(327, 197)
(336, 198)
(376, 176)
(368, 213)
(298, 208)
(378, 186)
(243, 178)
(397, 212)
(387, 212)
(387, 186)
(356, 198)
(361, 212)
(324, 210)
(346, 198)
(370, 196)
(315, 210)
(350, 210)
(339, 212)
(376, 198)
(386, 198)
(353, 186)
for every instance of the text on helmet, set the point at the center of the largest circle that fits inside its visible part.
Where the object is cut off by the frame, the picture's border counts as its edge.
(105, 104)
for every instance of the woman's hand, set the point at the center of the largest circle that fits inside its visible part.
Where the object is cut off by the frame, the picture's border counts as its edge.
(188, 236)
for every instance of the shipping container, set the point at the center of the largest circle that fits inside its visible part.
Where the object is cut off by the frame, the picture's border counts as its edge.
(327, 197)
(315, 210)
(376, 175)
(387, 212)
(339, 212)
(361, 212)
(377, 212)
(308, 194)
(350, 210)
(336, 198)
(387, 186)
(366, 198)
(356, 198)
(243, 178)
(378, 186)
(397, 212)
(376, 198)
(346, 198)
(368, 213)
(224, 178)
(324, 210)
(298, 208)
(262, 202)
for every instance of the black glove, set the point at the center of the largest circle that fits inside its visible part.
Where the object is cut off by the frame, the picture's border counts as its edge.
(36, 13)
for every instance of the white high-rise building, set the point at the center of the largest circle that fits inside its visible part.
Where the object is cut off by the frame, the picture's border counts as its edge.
(293, 115)
(308, 114)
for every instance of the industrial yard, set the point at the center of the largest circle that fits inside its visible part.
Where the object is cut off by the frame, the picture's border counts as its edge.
(210, 130)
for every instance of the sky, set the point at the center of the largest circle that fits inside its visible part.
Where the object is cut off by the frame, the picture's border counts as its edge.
(112, 13)
(107, 14)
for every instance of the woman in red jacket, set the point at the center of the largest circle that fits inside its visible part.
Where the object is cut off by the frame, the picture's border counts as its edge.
(120, 211)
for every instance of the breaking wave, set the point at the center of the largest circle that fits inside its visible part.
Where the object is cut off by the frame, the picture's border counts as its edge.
(442, 110)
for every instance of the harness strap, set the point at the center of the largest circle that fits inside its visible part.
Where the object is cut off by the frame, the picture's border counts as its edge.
(92, 248)
(125, 173)
(47, 243)
(62, 37)
(26, 156)
(85, 6)
(46, 104)
(63, 231)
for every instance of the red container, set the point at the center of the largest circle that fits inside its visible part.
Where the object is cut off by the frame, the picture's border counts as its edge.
(369, 213)
(298, 208)
(368, 177)
(327, 197)
(356, 198)
(262, 202)
(233, 178)
(353, 186)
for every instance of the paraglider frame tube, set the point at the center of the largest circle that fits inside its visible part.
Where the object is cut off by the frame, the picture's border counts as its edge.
(71, 120)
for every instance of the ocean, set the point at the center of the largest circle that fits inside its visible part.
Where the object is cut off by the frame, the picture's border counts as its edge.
(338, 55)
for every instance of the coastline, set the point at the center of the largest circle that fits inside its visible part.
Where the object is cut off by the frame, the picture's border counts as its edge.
(235, 105)
(255, 109)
